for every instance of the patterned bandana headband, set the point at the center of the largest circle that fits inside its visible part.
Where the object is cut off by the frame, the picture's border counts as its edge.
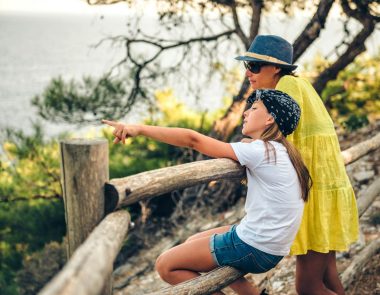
(284, 109)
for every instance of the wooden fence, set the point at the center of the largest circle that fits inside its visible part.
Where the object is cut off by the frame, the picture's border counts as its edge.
(97, 225)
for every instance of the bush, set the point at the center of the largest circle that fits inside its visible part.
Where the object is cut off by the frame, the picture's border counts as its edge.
(354, 97)
(40, 267)
(26, 226)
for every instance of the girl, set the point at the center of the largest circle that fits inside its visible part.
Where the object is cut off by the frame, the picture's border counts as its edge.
(330, 220)
(278, 185)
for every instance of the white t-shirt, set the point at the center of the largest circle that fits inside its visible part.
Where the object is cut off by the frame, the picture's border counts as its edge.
(273, 205)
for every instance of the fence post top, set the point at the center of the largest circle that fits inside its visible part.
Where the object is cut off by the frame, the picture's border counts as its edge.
(84, 141)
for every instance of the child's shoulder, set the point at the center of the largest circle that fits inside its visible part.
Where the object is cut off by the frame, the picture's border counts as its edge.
(253, 146)
(259, 143)
(254, 142)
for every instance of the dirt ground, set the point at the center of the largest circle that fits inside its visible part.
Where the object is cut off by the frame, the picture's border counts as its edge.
(368, 283)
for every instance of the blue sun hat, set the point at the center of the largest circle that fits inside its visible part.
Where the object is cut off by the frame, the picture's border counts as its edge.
(270, 49)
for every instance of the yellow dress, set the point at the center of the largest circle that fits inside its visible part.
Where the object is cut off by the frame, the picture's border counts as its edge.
(330, 218)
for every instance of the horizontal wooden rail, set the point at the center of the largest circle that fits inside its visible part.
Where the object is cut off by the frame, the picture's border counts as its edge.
(204, 284)
(125, 191)
(90, 266)
(361, 149)
(356, 267)
(367, 197)
(131, 189)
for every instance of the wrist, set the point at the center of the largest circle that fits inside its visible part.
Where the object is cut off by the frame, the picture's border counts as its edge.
(139, 130)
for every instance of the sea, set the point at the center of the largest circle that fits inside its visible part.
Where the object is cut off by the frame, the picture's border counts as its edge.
(35, 48)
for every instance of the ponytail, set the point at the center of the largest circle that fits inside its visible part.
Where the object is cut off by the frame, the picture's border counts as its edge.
(274, 133)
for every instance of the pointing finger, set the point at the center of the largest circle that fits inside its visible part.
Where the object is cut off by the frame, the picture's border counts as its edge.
(123, 135)
(110, 123)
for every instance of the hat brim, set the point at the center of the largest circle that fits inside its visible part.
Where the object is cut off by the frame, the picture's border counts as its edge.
(247, 58)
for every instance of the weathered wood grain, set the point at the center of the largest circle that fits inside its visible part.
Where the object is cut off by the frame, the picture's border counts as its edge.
(204, 284)
(361, 149)
(367, 197)
(84, 170)
(131, 189)
(128, 190)
(90, 267)
(356, 266)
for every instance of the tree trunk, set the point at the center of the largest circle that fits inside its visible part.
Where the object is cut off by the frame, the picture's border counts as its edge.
(353, 50)
(312, 29)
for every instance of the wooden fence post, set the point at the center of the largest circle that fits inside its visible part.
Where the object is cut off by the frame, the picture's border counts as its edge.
(84, 171)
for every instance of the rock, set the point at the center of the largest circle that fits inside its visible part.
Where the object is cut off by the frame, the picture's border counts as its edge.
(278, 286)
(364, 175)
(229, 214)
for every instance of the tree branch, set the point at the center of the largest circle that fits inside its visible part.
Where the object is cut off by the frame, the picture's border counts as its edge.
(238, 29)
(362, 11)
(36, 197)
(356, 47)
(224, 127)
(103, 2)
(256, 6)
(139, 67)
(312, 29)
(179, 43)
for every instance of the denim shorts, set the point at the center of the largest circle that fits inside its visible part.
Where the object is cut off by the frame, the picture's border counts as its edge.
(228, 249)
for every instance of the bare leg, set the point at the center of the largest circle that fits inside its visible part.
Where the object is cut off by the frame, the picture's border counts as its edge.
(209, 233)
(185, 261)
(241, 286)
(310, 272)
(331, 277)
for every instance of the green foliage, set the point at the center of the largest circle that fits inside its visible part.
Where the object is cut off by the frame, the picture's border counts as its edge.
(142, 154)
(354, 97)
(40, 267)
(76, 102)
(29, 167)
(29, 217)
(25, 227)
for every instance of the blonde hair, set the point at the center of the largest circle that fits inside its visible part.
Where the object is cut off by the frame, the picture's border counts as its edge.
(274, 133)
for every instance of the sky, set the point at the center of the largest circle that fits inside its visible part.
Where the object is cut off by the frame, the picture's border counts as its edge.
(81, 7)
(148, 6)
(59, 6)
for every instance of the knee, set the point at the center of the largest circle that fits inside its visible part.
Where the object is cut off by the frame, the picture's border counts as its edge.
(193, 237)
(305, 285)
(162, 267)
(301, 290)
(308, 288)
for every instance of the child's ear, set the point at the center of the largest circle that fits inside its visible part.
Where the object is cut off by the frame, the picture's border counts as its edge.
(270, 120)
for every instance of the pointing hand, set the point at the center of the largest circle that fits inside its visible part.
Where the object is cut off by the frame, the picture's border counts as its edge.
(122, 131)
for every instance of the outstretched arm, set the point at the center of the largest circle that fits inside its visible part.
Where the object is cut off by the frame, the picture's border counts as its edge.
(175, 136)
